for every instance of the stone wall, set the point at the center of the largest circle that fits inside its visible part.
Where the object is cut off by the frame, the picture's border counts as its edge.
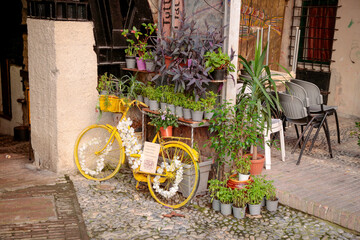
(63, 78)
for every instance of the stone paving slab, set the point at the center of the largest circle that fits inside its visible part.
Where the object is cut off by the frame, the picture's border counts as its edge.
(37, 204)
(325, 187)
(29, 209)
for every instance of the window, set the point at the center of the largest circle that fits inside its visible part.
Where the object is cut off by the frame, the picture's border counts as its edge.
(316, 20)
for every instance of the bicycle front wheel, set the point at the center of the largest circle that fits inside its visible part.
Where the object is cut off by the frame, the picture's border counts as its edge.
(181, 170)
(96, 155)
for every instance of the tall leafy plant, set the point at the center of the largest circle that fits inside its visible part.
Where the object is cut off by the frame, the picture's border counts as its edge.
(261, 84)
(234, 129)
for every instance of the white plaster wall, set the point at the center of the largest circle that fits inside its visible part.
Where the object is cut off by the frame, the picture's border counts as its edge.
(63, 78)
(6, 126)
(345, 71)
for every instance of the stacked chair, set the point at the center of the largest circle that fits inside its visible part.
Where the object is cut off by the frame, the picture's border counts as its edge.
(296, 107)
(316, 105)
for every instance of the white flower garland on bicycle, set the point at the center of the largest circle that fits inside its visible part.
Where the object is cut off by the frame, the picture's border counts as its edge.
(129, 140)
(132, 146)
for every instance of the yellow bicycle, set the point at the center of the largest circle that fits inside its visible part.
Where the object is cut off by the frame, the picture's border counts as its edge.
(101, 149)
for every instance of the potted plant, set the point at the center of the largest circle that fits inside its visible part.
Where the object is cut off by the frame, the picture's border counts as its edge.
(219, 62)
(209, 103)
(187, 108)
(243, 167)
(164, 121)
(197, 112)
(261, 84)
(170, 98)
(109, 93)
(130, 52)
(233, 130)
(271, 200)
(149, 61)
(139, 45)
(226, 197)
(146, 92)
(214, 187)
(240, 199)
(179, 103)
(154, 95)
(256, 192)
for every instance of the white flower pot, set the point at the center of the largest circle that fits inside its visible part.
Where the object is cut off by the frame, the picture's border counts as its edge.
(154, 105)
(255, 209)
(243, 177)
(225, 209)
(239, 213)
(187, 113)
(216, 205)
(179, 111)
(272, 205)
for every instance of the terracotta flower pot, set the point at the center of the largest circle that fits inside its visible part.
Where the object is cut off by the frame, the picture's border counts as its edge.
(233, 182)
(167, 132)
(256, 165)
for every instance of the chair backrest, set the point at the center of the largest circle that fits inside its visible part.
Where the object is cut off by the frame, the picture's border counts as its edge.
(293, 106)
(313, 92)
(297, 90)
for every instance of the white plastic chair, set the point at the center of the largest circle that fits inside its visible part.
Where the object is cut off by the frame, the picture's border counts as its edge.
(276, 126)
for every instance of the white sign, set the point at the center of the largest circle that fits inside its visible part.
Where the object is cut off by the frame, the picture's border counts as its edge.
(150, 157)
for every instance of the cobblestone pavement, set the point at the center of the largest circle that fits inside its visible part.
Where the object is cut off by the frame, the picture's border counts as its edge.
(116, 210)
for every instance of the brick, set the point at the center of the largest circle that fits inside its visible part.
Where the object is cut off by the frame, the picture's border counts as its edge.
(322, 211)
(310, 207)
(352, 221)
(316, 209)
(344, 218)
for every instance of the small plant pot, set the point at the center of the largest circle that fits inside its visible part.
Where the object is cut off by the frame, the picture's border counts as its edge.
(216, 205)
(150, 65)
(243, 177)
(167, 132)
(163, 106)
(171, 107)
(255, 209)
(234, 183)
(179, 111)
(257, 165)
(219, 74)
(130, 61)
(225, 209)
(140, 64)
(239, 213)
(187, 113)
(272, 206)
(146, 101)
(154, 105)
(208, 115)
(197, 116)
(140, 98)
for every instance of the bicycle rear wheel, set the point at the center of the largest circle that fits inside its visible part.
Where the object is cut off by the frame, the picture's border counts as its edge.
(180, 184)
(93, 158)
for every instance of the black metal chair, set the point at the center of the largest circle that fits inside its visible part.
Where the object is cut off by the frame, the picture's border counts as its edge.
(297, 113)
(316, 102)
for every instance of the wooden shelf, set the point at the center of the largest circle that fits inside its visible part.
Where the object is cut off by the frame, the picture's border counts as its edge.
(136, 70)
(218, 81)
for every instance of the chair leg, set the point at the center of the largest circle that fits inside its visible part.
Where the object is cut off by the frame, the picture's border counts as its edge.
(302, 134)
(327, 134)
(337, 126)
(282, 144)
(267, 152)
(298, 136)
(317, 132)
(302, 129)
(304, 144)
